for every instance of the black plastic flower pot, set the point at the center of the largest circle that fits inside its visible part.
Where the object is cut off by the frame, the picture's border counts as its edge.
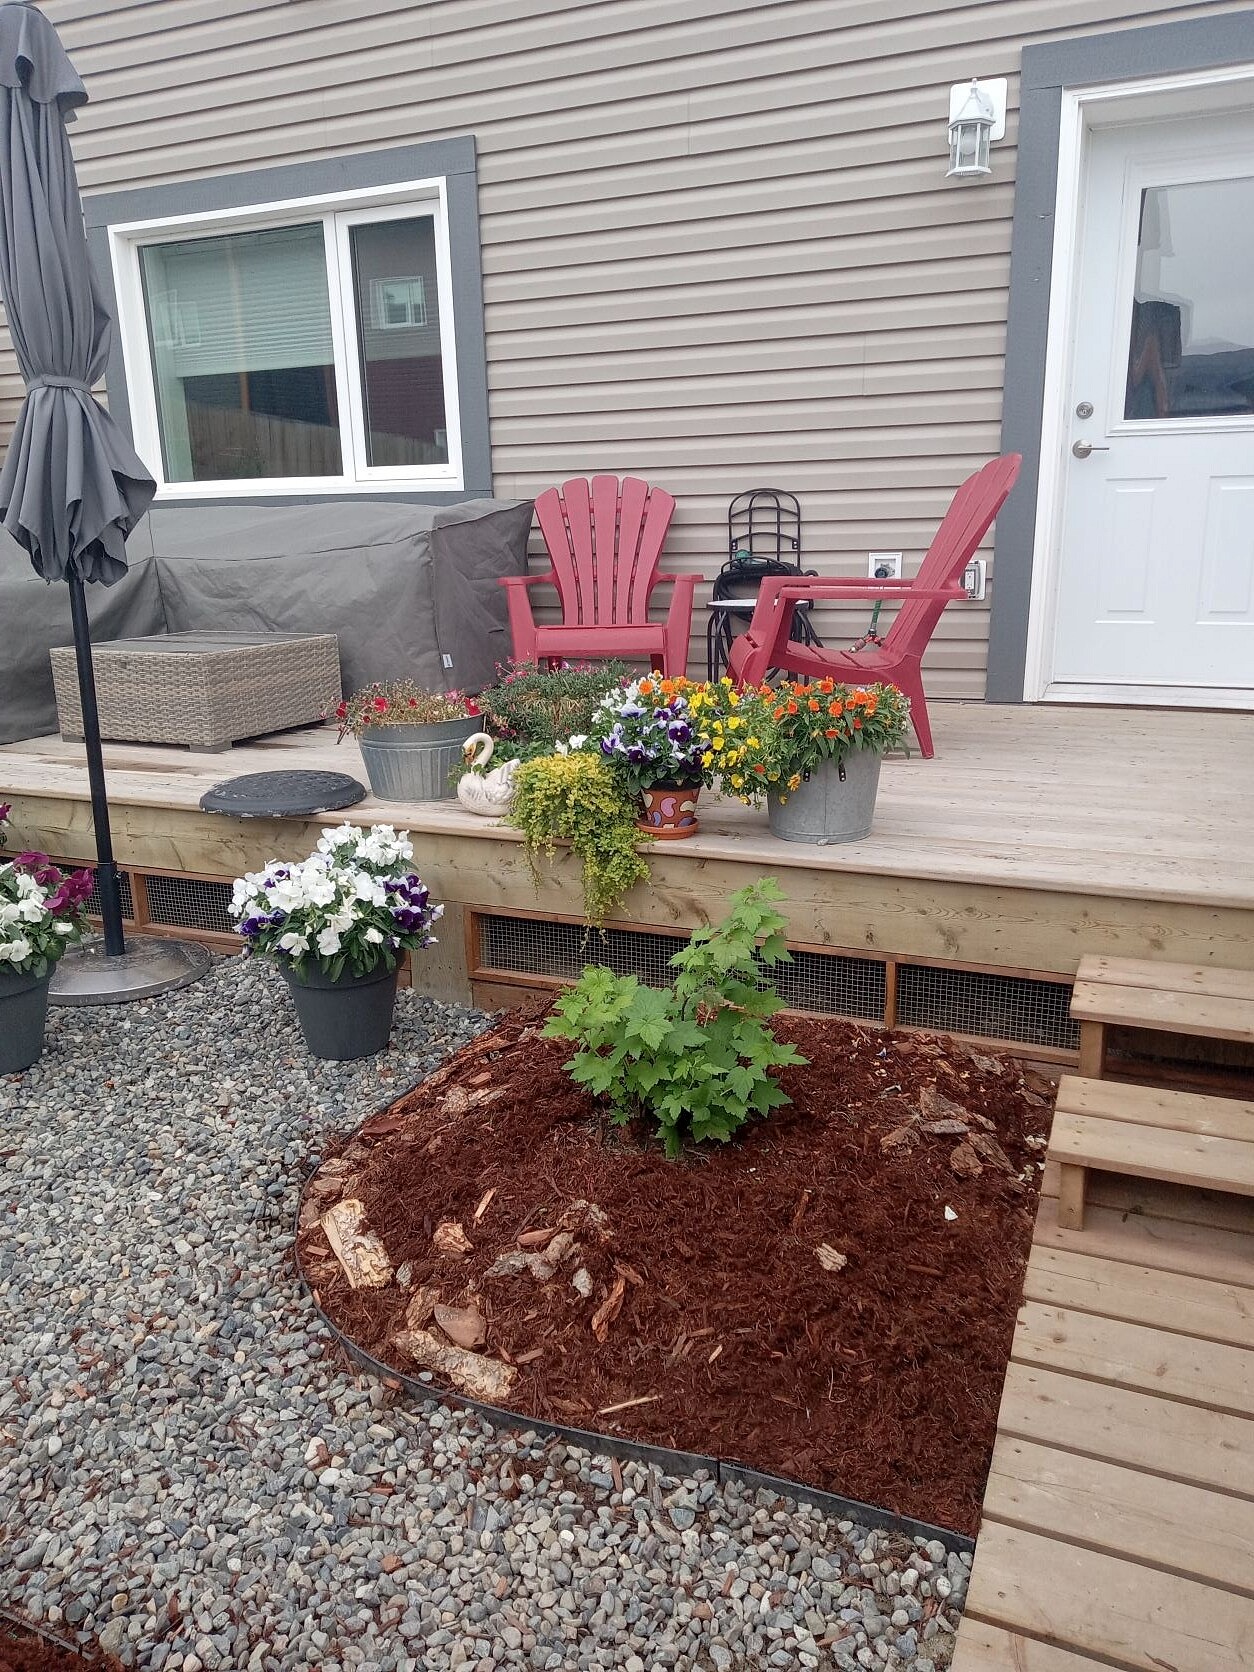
(345, 1018)
(23, 1013)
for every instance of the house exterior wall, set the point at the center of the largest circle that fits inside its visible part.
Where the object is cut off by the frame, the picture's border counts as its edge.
(719, 247)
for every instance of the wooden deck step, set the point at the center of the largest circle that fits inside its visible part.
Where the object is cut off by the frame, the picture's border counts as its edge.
(1134, 1356)
(1129, 1615)
(1124, 1425)
(985, 1648)
(1164, 998)
(1176, 1137)
(1162, 1300)
(1182, 1529)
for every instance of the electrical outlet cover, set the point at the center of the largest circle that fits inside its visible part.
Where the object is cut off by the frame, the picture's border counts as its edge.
(884, 566)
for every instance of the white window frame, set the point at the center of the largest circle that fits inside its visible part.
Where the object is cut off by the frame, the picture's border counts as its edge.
(337, 212)
(413, 321)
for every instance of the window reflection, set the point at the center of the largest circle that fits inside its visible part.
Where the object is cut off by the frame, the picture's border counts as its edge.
(1191, 340)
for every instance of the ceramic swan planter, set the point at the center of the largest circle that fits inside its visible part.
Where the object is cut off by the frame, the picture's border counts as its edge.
(486, 793)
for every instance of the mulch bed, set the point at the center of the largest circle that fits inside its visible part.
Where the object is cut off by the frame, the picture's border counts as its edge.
(714, 1321)
(27, 1651)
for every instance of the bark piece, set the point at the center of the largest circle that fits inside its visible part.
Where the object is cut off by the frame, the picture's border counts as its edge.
(609, 1309)
(831, 1259)
(463, 1325)
(897, 1137)
(355, 1246)
(989, 1150)
(946, 1128)
(965, 1162)
(450, 1240)
(934, 1105)
(473, 1373)
(421, 1308)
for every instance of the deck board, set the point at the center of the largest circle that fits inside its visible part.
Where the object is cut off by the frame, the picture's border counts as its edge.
(1118, 1525)
(1016, 796)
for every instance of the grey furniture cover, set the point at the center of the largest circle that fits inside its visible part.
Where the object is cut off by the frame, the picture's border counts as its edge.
(410, 590)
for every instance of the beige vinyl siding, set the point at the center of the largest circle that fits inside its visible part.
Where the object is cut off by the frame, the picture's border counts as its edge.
(719, 247)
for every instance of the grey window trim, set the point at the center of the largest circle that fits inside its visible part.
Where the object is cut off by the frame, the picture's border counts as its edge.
(454, 159)
(1123, 55)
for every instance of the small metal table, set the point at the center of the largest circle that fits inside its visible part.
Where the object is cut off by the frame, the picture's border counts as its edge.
(283, 795)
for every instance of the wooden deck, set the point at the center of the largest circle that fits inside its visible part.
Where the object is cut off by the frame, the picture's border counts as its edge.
(1036, 834)
(1118, 1522)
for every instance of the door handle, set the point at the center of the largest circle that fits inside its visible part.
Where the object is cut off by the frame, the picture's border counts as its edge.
(1082, 449)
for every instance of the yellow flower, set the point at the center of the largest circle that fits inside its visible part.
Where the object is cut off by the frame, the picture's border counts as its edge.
(734, 721)
(794, 783)
(753, 742)
(733, 699)
(736, 780)
(716, 744)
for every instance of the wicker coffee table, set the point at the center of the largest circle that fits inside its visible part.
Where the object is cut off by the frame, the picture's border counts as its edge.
(203, 690)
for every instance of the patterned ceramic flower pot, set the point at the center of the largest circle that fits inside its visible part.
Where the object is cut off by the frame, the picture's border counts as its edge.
(669, 814)
(23, 1013)
(347, 1018)
(413, 763)
(836, 803)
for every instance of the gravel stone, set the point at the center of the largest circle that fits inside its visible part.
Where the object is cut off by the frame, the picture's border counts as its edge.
(192, 1477)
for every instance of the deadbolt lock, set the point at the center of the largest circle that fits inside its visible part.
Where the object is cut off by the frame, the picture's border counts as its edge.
(1084, 410)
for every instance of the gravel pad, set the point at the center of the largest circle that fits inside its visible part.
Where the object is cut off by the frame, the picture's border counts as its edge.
(190, 1476)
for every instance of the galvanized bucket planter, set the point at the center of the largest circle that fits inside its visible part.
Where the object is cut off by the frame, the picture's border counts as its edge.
(345, 1018)
(412, 763)
(23, 1013)
(836, 803)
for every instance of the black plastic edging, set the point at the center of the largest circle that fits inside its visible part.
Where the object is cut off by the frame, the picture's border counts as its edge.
(675, 1463)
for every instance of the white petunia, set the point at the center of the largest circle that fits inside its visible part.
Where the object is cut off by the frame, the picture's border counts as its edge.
(374, 936)
(15, 951)
(297, 945)
(328, 943)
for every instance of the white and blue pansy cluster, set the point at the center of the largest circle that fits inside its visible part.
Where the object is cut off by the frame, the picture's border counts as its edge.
(653, 742)
(355, 903)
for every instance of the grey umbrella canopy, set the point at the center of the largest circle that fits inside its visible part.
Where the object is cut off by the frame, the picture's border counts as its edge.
(72, 486)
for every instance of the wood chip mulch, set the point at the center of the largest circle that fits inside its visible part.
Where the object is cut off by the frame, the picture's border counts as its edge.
(831, 1298)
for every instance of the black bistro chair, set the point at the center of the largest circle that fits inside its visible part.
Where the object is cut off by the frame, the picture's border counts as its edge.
(763, 539)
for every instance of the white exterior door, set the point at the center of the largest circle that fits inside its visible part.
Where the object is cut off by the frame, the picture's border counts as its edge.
(1154, 548)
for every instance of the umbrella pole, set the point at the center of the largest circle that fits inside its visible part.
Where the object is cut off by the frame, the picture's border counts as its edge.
(107, 888)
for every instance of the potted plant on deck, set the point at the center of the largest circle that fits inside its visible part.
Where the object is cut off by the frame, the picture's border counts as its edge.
(42, 911)
(654, 743)
(337, 925)
(814, 751)
(410, 739)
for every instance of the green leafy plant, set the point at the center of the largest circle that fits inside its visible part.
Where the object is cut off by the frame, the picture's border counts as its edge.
(539, 708)
(694, 1057)
(575, 798)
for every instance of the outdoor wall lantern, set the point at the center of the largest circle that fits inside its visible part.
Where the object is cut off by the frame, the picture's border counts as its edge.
(977, 116)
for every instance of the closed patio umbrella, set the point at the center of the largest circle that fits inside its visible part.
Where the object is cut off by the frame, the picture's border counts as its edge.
(72, 486)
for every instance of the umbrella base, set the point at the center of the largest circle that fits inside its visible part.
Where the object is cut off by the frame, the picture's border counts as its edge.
(150, 965)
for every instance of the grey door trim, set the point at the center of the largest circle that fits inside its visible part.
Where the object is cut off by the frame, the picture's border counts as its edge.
(452, 158)
(1124, 55)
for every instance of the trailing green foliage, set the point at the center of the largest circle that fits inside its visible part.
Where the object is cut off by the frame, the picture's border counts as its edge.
(694, 1057)
(577, 799)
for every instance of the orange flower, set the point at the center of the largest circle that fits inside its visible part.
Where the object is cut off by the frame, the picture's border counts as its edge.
(792, 707)
(836, 709)
(759, 768)
(831, 732)
(827, 686)
(646, 687)
(813, 705)
(779, 714)
(857, 725)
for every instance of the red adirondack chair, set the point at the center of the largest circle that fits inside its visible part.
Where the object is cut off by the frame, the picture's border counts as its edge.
(605, 542)
(897, 661)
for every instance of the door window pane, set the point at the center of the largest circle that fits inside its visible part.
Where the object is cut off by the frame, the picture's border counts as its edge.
(240, 331)
(398, 332)
(1191, 342)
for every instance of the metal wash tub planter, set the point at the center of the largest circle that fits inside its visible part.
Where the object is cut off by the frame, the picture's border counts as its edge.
(836, 803)
(413, 763)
